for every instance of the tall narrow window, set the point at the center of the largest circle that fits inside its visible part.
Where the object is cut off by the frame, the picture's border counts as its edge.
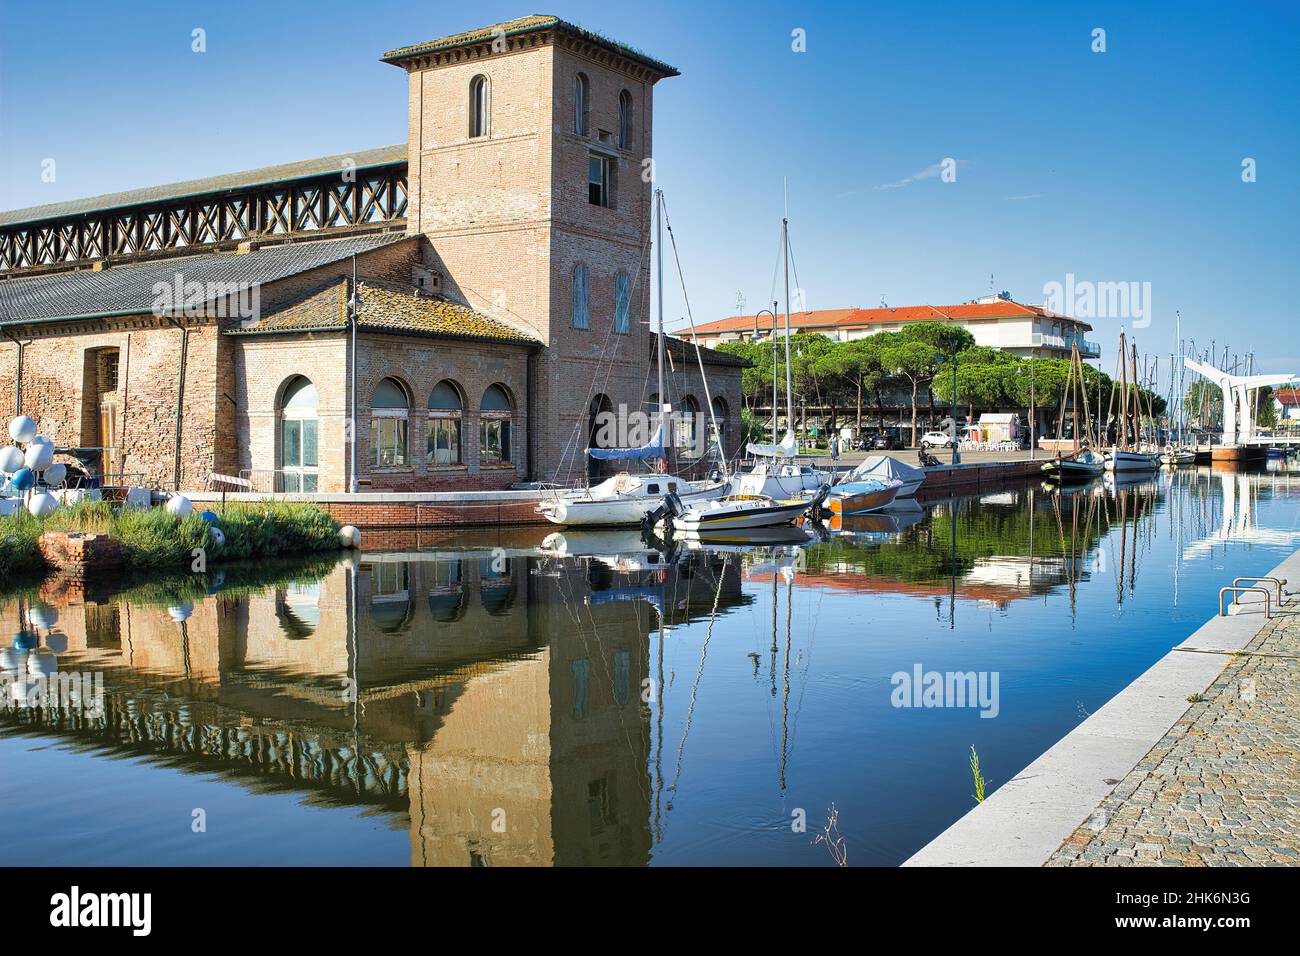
(580, 320)
(495, 413)
(622, 303)
(299, 471)
(625, 120)
(581, 103)
(389, 417)
(600, 180)
(445, 413)
(479, 114)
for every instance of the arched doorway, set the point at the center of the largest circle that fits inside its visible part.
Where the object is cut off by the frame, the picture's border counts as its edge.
(299, 467)
(600, 407)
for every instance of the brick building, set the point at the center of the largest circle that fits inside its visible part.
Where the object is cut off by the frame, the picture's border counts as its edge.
(500, 261)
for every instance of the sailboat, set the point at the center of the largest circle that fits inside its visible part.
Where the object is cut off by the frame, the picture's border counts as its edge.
(1127, 456)
(1178, 454)
(780, 474)
(625, 499)
(1083, 464)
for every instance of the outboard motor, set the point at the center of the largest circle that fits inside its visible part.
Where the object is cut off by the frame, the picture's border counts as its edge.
(671, 507)
(815, 509)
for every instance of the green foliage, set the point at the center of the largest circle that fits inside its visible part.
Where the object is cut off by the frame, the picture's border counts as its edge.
(981, 785)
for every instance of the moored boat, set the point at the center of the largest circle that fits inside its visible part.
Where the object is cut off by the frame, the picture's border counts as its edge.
(1085, 466)
(885, 468)
(1176, 457)
(1118, 459)
(861, 497)
(740, 511)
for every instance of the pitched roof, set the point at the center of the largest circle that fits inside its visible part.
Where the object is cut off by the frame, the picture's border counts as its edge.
(1287, 396)
(856, 318)
(130, 290)
(262, 176)
(402, 311)
(529, 24)
(680, 350)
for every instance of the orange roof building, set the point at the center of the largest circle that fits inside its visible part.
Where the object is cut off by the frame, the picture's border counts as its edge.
(995, 320)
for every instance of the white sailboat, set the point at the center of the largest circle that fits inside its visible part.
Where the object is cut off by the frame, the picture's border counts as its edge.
(625, 499)
(780, 474)
(1127, 455)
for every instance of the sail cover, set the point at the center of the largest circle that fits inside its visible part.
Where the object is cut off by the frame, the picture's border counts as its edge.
(789, 447)
(654, 448)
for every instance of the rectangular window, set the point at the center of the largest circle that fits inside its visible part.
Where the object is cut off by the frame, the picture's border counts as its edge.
(387, 442)
(600, 174)
(622, 303)
(444, 441)
(494, 440)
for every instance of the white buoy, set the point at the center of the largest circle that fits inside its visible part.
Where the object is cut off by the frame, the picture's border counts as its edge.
(11, 459)
(39, 456)
(349, 537)
(41, 440)
(179, 505)
(218, 537)
(55, 475)
(42, 503)
(22, 429)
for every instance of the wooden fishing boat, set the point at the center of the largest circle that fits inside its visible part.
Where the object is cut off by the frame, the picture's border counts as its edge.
(1085, 466)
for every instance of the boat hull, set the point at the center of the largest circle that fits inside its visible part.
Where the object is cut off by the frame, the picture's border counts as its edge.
(576, 512)
(732, 517)
(1131, 461)
(1071, 471)
(847, 501)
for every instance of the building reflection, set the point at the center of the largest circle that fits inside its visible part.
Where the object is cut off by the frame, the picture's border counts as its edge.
(492, 700)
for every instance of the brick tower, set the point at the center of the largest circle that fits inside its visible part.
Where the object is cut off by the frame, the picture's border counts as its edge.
(527, 145)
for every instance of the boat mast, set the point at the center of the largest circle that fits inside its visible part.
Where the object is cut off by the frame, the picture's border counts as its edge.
(1123, 393)
(789, 390)
(659, 348)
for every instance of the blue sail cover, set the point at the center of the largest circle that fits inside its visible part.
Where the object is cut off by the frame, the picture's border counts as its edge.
(654, 448)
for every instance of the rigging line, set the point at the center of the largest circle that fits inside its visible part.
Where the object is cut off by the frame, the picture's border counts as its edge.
(708, 397)
(570, 445)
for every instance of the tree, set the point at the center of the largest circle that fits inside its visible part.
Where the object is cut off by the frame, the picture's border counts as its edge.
(914, 362)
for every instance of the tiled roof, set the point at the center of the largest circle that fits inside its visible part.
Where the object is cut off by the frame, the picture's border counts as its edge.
(128, 290)
(855, 318)
(384, 309)
(1287, 396)
(266, 175)
(529, 24)
(680, 350)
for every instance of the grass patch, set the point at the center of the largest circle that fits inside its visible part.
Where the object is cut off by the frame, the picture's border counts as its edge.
(153, 539)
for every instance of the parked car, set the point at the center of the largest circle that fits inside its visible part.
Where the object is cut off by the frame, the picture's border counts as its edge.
(936, 440)
(886, 441)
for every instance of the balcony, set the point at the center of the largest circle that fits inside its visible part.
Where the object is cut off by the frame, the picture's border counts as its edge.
(1062, 343)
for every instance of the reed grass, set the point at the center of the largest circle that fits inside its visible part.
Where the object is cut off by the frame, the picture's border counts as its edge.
(977, 774)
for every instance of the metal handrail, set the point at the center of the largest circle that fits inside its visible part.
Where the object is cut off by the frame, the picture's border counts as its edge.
(1268, 599)
(1276, 582)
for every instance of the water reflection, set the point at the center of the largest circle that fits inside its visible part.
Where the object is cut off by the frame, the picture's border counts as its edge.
(559, 702)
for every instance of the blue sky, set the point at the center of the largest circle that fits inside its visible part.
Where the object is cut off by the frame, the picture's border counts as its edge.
(1122, 166)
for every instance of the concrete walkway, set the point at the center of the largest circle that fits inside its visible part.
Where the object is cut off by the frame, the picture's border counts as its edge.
(1148, 779)
(1222, 788)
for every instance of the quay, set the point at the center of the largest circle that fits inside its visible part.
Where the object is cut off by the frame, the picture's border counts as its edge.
(471, 509)
(1193, 764)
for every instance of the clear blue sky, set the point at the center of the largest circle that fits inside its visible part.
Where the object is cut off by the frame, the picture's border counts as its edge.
(1115, 166)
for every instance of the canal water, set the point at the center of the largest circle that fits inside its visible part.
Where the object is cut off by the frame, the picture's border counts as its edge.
(522, 697)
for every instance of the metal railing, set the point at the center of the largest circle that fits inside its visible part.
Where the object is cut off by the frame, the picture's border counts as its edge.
(1268, 598)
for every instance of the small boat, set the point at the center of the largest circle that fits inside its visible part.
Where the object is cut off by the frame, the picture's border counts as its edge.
(777, 480)
(623, 500)
(885, 468)
(1084, 466)
(1177, 457)
(735, 511)
(1275, 453)
(1117, 459)
(744, 540)
(861, 497)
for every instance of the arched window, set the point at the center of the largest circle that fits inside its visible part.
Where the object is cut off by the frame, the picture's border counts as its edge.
(625, 120)
(479, 112)
(496, 586)
(445, 412)
(495, 413)
(687, 432)
(390, 596)
(299, 471)
(390, 411)
(581, 103)
(622, 303)
(720, 412)
(580, 319)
